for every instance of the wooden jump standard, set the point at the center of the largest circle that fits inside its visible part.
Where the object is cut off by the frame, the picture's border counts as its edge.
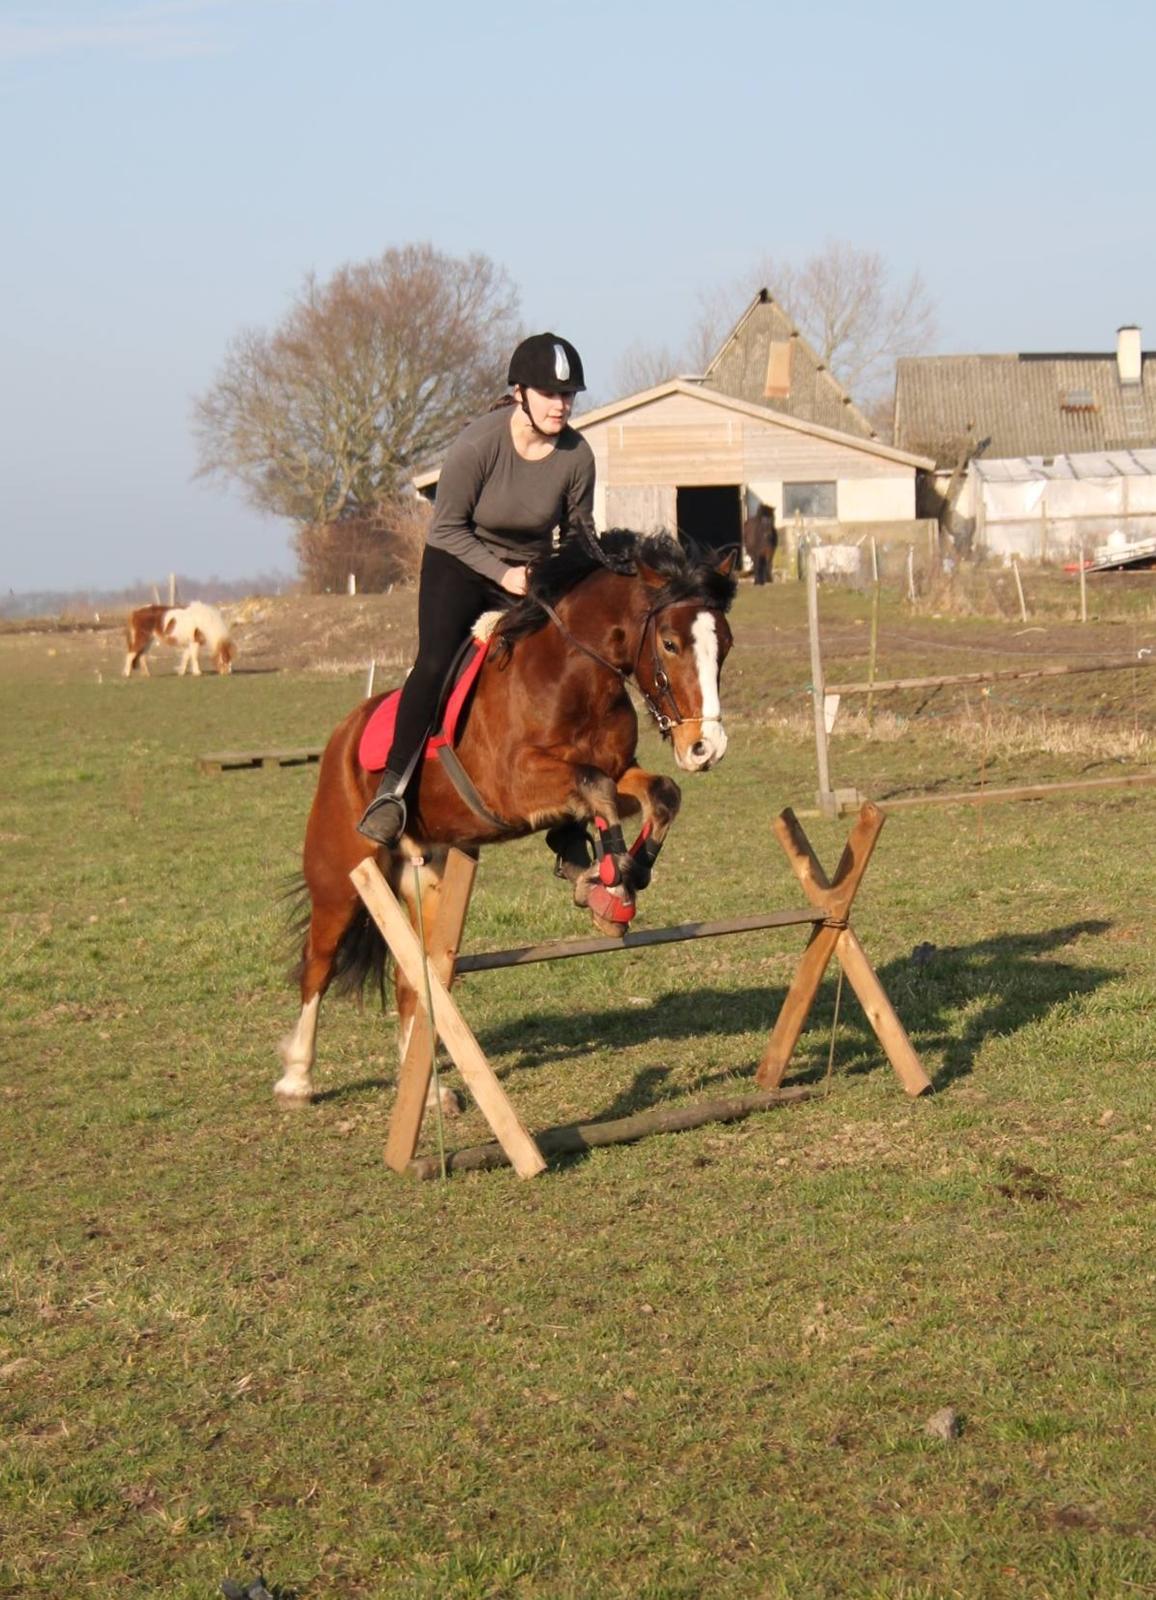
(832, 935)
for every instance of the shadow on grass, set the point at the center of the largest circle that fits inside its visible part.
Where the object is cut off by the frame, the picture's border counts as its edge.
(354, 1091)
(996, 986)
(950, 1000)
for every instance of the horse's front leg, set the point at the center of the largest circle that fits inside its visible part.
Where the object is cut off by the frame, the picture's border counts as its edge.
(657, 799)
(572, 795)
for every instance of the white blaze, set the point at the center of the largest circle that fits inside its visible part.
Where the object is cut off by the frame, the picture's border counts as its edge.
(705, 636)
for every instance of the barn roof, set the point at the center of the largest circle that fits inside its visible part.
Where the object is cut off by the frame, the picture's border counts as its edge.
(764, 359)
(1027, 405)
(748, 409)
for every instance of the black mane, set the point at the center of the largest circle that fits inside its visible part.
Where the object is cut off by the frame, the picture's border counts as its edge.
(689, 573)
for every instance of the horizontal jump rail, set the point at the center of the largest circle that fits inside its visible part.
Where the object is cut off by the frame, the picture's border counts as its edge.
(1025, 791)
(560, 949)
(1004, 675)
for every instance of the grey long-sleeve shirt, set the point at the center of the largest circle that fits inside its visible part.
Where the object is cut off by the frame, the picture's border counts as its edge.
(495, 510)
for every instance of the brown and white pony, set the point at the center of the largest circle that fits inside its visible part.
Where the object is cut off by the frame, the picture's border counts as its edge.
(549, 742)
(186, 628)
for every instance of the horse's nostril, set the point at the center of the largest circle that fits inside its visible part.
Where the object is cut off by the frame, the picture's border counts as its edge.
(698, 749)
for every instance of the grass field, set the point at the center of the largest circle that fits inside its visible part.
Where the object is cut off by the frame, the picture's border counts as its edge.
(231, 1341)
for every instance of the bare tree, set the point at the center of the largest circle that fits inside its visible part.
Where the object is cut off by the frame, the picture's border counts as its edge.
(368, 377)
(644, 366)
(844, 303)
(848, 308)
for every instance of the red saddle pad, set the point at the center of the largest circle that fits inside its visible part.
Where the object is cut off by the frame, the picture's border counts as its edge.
(377, 736)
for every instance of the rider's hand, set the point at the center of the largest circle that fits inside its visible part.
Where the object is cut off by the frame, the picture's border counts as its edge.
(514, 580)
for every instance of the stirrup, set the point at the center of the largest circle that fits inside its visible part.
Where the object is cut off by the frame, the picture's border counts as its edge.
(384, 819)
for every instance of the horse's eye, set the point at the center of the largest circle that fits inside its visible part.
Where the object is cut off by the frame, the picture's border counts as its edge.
(670, 646)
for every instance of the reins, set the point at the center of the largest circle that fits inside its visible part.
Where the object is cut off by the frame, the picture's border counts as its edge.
(661, 681)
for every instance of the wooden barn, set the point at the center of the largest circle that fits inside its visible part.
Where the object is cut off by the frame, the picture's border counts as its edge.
(766, 424)
(685, 456)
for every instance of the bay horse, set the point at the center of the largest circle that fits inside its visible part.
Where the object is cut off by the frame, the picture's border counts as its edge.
(185, 627)
(549, 743)
(760, 541)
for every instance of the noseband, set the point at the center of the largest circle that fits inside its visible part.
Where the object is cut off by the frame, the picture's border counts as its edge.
(661, 681)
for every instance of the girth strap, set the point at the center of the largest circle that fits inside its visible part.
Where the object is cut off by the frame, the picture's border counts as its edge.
(464, 784)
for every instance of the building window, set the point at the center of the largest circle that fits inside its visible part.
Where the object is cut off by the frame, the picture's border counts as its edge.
(1078, 400)
(809, 500)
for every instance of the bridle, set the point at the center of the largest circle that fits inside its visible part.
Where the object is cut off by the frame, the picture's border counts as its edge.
(662, 683)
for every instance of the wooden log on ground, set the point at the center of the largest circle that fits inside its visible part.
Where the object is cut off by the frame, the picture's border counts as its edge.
(576, 1137)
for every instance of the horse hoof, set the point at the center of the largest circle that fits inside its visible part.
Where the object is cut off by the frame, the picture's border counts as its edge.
(451, 1101)
(611, 909)
(292, 1096)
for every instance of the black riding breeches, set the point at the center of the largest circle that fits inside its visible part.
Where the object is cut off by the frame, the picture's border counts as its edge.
(450, 599)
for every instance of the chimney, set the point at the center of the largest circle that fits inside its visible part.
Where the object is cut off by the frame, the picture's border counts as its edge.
(1128, 356)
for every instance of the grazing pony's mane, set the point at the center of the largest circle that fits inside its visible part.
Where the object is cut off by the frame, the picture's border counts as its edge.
(688, 572)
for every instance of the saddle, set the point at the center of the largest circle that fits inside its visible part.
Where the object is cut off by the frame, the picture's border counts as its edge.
(377, 736)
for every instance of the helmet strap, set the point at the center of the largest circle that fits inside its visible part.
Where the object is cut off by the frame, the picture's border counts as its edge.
(541, 432)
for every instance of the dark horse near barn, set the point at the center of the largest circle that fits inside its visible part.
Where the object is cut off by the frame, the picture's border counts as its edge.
(760, 541)
(549, 743)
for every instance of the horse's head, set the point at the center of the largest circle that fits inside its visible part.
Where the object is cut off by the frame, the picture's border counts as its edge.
(684, 641)
(224, 655)
(657, 611)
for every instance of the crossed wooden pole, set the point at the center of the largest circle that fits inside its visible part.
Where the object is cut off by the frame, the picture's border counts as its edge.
(832, 935)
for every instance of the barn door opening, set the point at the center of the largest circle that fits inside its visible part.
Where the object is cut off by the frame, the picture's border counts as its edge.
(712, 516)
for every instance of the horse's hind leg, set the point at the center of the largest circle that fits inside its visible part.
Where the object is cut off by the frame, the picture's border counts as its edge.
(327, 923)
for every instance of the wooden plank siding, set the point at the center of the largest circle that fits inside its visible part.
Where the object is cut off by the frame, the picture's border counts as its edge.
(682, 454)
(645, 507)
(729, 452)
(795, 458)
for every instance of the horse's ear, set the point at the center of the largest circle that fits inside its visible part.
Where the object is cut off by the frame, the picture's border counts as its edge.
(727, 564)
(652, 579)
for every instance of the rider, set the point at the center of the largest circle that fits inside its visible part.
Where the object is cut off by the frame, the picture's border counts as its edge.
(509, 479)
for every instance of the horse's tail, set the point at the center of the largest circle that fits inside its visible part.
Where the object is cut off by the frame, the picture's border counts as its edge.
(361, 952)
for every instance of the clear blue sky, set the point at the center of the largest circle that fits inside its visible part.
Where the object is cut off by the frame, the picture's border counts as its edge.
(171, 169)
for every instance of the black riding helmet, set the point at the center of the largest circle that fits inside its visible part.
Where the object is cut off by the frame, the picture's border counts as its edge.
(547, 362)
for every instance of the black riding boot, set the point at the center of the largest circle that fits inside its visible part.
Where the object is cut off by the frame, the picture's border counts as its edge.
(570, 843)
(385, 816)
